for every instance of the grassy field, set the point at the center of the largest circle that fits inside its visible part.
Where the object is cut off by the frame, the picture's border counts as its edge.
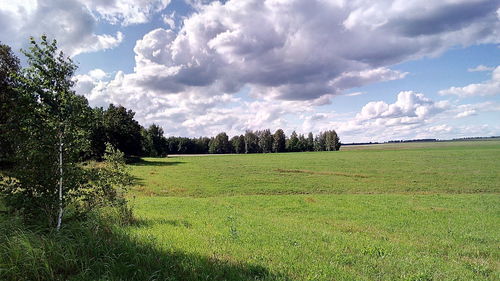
(455, 167)
(387, 212)
(413, 211)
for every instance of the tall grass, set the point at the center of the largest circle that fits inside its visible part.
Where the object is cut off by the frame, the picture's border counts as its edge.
(99, 249)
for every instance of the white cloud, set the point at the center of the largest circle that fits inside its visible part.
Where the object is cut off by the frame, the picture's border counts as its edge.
(297, 50)
(196, 113)
(466, 110)
(353, 94)
(126, 12)
(412, 115)
(169, 19)
(410, 107)
(359, 78)
(96, 43)
(487, 88)
(289, 57)
(466, 113)
(94, 87)
(71, 22)
(97, 74)
(481, 68)
(443, 128)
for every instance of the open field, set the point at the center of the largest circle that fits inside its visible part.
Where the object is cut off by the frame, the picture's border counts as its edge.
(456, 167)
(429, 212)
(418, 211)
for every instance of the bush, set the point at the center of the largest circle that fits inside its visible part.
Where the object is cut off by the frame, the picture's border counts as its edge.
(95, 185)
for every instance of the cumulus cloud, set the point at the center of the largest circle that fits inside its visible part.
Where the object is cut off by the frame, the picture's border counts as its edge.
(487, 88)
(194, 113)
(71, 22)
(289, 57)
(412, 115)
(93, 86)
(410, 107)
(303, 50)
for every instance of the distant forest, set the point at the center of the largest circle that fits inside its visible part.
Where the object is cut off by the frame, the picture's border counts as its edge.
(117, 126)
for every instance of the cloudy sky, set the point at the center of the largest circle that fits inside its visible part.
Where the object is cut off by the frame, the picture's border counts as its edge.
(371, 70)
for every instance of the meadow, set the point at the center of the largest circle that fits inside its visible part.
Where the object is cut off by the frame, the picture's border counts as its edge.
(385, 212)
(411, 211)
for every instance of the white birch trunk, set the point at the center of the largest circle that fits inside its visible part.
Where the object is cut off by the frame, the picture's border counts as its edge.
(59, 218)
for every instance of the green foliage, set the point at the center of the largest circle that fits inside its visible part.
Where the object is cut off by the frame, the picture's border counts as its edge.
(98, 136)
(220, 144)
(261, 141)
(265, 140)
(279, 141)
(54, 133)
(251, 142)
(122, 130)
(9, 68)
(156, 141)
(310, 142)
(105, 184)
(238, 144)
(52, 123)
(332, 142)
(302, 143)
(292, 143)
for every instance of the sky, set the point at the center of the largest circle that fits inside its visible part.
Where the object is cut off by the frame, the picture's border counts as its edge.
(371, 70)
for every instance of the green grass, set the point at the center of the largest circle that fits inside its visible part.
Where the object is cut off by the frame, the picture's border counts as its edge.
(416, 211)
(101, 249)
(455, 167)
(388, 212)
(339, 237)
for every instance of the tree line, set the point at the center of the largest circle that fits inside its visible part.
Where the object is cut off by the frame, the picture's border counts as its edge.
(51, 140)
(261, 141)
(116, 125)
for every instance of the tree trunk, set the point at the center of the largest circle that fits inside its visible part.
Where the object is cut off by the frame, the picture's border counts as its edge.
(59, 218)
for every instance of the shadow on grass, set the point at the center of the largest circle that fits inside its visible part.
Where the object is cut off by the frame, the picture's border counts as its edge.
(149, 162)
(101, 252)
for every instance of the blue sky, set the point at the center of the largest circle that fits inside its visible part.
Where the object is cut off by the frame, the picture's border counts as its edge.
(372, 70)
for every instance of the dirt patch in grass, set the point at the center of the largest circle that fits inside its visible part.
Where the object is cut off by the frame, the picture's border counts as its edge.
(310, 200)
(321, 173)
(144, 191)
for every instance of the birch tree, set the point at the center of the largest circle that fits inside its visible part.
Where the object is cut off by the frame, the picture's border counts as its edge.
(52, 136)
(279, 141)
